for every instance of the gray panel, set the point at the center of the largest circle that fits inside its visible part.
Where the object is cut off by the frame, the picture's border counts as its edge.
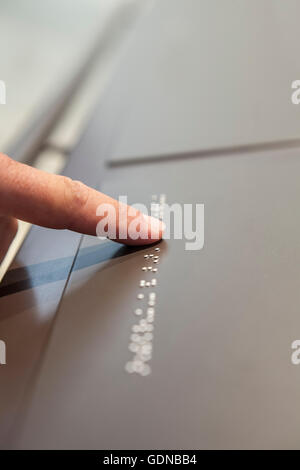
(226, 317)
(206, 74)
(29, 296)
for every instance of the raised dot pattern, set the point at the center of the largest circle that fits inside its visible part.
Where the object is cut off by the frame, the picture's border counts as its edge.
(141, 339)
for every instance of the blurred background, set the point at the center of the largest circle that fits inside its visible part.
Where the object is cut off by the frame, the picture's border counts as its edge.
(56, 59)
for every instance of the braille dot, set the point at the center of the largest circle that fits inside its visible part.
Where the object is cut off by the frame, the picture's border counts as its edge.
(145, 357)
(156, 257)
(146, 256)
(138, 366)
(142, 283)
(154, 270)
(151, 303)
(153, 282)
(151, 256)
(150, 311)
(134, 347)
(140, 296)
(148, 336)
(143, 322)
(149, 268)
(146, 348)
(148, 284)
(155, 261)
(146, 370)
(152, 296)
(144, 268)
(138, 311)
(135, 338)
(156, 249)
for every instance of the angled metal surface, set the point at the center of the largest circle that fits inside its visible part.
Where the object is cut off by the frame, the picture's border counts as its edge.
(225, 320)
(202, 77)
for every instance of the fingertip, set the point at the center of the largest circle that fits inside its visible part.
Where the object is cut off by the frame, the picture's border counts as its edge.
(156, 228)
(151, 231)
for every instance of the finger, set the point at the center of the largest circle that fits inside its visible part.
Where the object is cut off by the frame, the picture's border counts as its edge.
(58, 202)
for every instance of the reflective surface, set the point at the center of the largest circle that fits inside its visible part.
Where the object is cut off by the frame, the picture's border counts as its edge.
(223, 317)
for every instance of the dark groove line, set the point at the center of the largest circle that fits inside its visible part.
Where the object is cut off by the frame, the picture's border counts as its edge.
(215, 152)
